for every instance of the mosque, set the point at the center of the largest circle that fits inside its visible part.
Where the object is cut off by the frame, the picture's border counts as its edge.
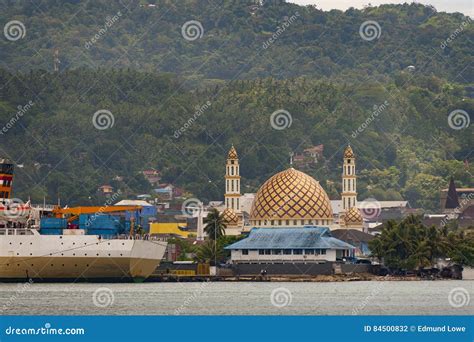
(289, 199)
(291, 216)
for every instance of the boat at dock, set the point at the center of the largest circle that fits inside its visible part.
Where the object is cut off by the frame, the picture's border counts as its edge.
(75, 244)
(26, 254)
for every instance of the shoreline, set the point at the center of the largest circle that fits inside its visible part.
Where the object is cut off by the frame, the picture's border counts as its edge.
(291, 278)
(171, 278)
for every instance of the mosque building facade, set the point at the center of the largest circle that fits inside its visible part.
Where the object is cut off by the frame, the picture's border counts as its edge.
(291, 216)
(290, 199)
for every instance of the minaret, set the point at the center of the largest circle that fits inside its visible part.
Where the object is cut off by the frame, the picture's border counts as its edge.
(349, 183)
(232, 181)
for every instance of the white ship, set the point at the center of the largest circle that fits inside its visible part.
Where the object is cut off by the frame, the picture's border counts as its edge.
(66, 252)
(25, 254)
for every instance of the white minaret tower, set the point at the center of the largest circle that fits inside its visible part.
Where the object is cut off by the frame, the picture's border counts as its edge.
(232, 181)
(349, 182)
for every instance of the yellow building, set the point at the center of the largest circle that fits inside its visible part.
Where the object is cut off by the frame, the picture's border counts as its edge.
(172, 228)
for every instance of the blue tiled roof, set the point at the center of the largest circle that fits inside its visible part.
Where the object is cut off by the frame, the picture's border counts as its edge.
(307, 237)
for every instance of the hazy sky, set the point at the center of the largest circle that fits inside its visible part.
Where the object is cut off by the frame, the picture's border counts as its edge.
(463, 6)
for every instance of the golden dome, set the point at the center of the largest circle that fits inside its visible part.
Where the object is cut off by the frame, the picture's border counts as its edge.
(291, 194)
(353, 217)
(230, 217)
(232, 153)
(348, 153)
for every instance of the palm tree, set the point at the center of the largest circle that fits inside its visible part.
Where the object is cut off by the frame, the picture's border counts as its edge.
(215, 224)
(210, 252)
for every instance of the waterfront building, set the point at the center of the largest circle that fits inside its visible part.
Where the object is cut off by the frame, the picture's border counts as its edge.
(289, 245)
(358, 239)
(289, 221)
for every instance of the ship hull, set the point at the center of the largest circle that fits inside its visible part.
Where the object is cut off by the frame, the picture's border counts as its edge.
(77, 258)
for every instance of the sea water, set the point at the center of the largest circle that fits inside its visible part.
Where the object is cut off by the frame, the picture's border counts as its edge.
(450, 297)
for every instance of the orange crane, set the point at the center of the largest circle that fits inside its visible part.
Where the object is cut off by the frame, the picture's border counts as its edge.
(76, 211)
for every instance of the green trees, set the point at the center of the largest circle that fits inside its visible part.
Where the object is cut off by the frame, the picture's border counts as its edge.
(214, 224)
(410, 245)
(234, 33)
(211, 251)
(71, 158)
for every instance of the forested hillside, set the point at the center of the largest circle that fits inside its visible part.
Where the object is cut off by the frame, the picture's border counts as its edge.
(177, 104)
(235, 38)
(408, 150)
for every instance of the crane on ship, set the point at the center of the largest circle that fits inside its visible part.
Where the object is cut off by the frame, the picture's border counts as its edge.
(73, 213)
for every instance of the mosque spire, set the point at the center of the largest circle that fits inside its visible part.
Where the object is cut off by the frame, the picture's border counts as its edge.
(349, 181)
(232, 181)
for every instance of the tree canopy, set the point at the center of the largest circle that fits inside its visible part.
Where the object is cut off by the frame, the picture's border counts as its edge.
(409, 245)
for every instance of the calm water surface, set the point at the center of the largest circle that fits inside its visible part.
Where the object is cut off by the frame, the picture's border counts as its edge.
(242, 298)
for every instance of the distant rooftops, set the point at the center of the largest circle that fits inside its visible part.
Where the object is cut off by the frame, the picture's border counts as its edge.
(134, 202)
(352, 235)
(337, 205)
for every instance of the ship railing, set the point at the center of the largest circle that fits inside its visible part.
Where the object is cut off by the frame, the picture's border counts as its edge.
(128, 237)
(16, 231)
(43, 206)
